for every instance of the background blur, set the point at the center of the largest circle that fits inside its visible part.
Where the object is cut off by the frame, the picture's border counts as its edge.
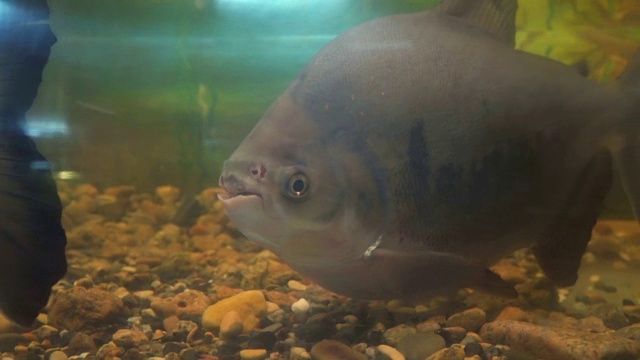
(154, 92)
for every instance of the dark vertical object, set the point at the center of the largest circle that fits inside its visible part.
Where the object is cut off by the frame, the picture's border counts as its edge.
(32, 241)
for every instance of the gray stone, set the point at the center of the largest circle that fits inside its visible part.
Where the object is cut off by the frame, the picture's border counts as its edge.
(386, 352)
(471, 319)
(108, 351)
(128, 338)
(612, 315)
(58, 355)
(560, 344)
(421, 345)
(630, 332)
(455, 352)
(334, 350)
(393, 335)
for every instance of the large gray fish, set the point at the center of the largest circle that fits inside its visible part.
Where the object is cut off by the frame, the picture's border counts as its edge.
(414, 151)
(32, 241)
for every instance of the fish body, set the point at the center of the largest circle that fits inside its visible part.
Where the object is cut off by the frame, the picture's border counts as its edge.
(414, 151)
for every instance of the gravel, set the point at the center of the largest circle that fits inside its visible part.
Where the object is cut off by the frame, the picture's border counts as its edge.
(142, 287)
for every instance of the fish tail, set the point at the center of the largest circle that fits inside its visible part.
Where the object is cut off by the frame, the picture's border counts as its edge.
(625, 144)
(32, 241)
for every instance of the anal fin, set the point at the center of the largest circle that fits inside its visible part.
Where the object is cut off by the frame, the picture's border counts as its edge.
(560, 254)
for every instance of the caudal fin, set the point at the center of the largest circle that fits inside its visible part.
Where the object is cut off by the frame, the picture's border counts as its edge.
(32, 241)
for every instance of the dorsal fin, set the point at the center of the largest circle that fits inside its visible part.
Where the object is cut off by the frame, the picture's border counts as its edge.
(496, 16)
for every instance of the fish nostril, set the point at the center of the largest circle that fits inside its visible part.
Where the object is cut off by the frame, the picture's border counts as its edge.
(257, 171)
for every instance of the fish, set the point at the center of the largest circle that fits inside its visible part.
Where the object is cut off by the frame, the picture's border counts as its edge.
(415, 151)
(32, 240)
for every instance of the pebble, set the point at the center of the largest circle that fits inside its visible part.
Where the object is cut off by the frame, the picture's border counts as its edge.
(168, 194)
(630, 332)
(317, 327)
(253, 354)
(148, 314)
(81, 309)
(231, 325)
(299, 353)
(140, 265)
(263, 339)
(334, 350)
(455, 352)
(80, 343)
(428, 326)
(547, 342)
(9, 341)
(173, 347)
(127, 338)
(613, 316)
(189, 354)
(601, 285)
(632, 312)
(170, 323)
(513, 313)
(144, 294)
(188, 302)
(183, 329)
(421, 345)
(251, 305)
(452, 334)
(473, 348)
(471, 337)
(470, 320)
(58, 355)
(386, 352)
(272, 307)
(395, 334)
(606, 247)
(108, 351)
(300, 307)
(296, 285)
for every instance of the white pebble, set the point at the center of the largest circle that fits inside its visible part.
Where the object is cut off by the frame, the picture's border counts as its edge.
(300, 307)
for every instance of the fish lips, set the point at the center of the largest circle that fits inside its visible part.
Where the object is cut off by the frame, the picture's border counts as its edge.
(247, 212)
(230, 197)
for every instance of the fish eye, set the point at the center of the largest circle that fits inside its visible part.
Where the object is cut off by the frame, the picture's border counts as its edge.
(297, 186)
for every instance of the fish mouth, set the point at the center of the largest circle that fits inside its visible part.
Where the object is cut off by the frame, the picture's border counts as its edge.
(235, 197)
(229, 195)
